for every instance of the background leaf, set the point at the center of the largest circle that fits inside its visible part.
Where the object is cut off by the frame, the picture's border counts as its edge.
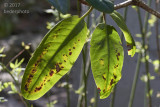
(128, 37)
(54, 57)
(102, 5)
(106, 58)
(61, 5)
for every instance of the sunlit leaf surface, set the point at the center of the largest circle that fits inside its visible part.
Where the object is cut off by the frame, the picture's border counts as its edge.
(54, 57)
(128, 37)
(106, 58)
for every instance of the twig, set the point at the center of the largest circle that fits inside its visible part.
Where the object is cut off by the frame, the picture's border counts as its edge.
(84, 2)
(123, 4)
(15, 57)
(157, 34)
(138, 3)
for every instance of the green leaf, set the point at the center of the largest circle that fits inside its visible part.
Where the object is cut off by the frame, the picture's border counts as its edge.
(61, 5)
(102, 5)
(106, 58)
(54, 57)
(2, 49)
(2, 99)
(156, 64)
(122, 25)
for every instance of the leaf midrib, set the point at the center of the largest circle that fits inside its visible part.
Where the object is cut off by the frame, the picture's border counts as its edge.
(52, 59)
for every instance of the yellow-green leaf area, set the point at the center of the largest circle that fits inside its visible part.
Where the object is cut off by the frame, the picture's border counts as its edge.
(128, 37)
(54, 57)
(106, 58)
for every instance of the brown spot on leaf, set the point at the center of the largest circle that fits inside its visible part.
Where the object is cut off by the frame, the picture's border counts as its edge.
(73, 47)
(70, 53)
(51, 73)
(35, 65)
(104, 77)
(69, 49)
(111, 82)
(116, 66)
(104, 90)
(33, 71)
(117, 57)
(64, 60)
(57, 68)
(38, 88)
(78, 39)
(115, 76)
(62, 67)
(118, 54)
(30, 77)
(26, 87)
(39, 61)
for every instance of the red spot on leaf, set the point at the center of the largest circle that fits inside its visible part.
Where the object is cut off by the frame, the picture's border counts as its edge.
(99, 90)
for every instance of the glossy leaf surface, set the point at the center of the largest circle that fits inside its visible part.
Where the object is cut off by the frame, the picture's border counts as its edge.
(106, 58)
(61, 5)
(102, 5)
(54, 57)
(128, 37)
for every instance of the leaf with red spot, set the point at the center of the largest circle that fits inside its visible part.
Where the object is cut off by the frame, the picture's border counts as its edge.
(54, 57)
(128, 37)
(106, 58)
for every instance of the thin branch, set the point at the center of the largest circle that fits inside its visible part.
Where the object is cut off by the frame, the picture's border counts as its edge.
(84, 2)
(123, 4)
(138, 3)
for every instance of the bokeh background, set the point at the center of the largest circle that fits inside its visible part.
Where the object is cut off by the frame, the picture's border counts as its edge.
(21, 33)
